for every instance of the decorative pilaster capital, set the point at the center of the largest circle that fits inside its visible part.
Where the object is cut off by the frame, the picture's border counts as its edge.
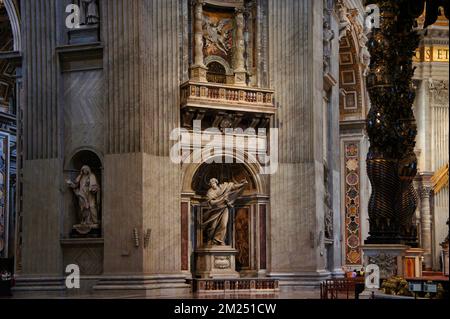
(425, 192)
(249, 5)
(198, 2)
(239, 12)
(197, 5)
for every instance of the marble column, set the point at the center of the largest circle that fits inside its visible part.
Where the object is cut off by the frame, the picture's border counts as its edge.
(239, 63)
(198, 70)
(425, 220)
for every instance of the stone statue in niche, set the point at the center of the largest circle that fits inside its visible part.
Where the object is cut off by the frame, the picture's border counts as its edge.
(89, 12)
(364, 54)
(344, 21)
(87, 192)
(328, 36)
(328, 205)
(328, 217)
(221, 198)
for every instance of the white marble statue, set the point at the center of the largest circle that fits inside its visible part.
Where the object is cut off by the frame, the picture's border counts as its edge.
(87, 191)
(220, 199)
(364, 53)
(328, 36)
(344, 21)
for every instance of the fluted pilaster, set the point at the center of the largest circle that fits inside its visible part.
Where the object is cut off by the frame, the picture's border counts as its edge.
(41, 114)
(297, 187)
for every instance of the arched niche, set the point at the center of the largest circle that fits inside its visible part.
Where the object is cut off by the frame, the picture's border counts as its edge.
(85, 157)
(248, 219)
(249, 161)
(229, 173)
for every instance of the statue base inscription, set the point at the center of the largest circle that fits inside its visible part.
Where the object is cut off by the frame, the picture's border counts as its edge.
(216, 262)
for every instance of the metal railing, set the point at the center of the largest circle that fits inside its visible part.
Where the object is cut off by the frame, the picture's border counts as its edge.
(347, 288)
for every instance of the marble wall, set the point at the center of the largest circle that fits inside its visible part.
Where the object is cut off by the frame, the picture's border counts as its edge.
(123, 102)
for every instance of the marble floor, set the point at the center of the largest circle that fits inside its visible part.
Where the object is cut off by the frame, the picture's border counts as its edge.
(303, 294)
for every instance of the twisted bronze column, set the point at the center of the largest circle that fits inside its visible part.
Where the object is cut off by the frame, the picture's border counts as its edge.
(391, 126)
(392, 130)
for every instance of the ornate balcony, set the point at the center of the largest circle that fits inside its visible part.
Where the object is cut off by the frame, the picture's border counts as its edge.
(226, 106)
(227, 98)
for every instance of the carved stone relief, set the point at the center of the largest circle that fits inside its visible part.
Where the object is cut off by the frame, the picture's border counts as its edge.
(222, 262)
(387, 264)
(439, 92)
(217, 34)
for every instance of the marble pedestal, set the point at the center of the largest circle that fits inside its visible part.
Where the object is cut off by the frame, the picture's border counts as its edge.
(412, 263)
(198, 73)
(216, 262)
(86, 231)
(388, 257)
(84, 35)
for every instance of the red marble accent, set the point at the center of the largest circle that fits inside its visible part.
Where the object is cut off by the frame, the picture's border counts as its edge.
(262, 236)
(243, 237)
(184, 236)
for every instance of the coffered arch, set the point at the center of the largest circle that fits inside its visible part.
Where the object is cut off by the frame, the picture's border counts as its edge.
(12, 8)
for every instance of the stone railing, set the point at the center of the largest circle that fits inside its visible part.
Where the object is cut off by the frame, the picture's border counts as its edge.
(213, 95)
(256, 285)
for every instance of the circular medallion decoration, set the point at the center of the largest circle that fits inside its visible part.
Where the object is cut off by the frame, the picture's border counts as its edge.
(353, 241)
(352, 179)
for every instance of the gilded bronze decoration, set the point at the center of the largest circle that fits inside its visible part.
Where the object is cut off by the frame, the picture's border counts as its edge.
(391, 126)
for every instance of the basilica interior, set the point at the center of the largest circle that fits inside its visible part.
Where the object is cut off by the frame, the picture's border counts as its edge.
(201, 147)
